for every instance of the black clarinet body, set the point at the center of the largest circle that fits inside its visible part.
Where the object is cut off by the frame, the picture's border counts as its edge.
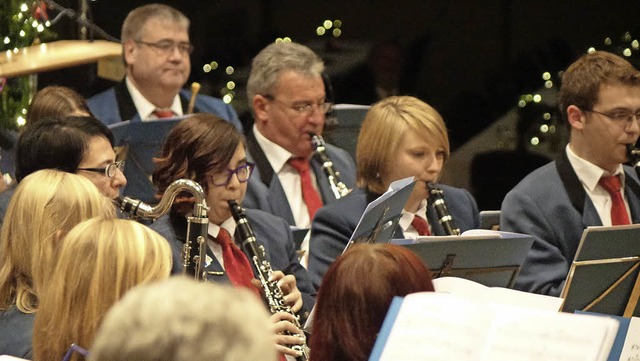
(256, 253)
(436, 199)
(338, 188)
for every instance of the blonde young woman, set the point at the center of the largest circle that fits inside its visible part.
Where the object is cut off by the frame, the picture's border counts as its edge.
(98, 262)
(46, 205)
(401, 136)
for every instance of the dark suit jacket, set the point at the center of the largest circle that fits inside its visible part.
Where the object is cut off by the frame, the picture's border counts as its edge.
(551, 205)
(271, 232)
(334, 224)
(115, 105)
(265, 192)
(15, 332)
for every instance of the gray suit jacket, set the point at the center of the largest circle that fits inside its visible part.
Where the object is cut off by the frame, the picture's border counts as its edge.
(551, 205)
(271, 232)
(265, 192)
(334, 224)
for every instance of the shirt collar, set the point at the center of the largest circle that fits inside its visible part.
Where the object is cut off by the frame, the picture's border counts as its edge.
(144, 107)
(276, 155)
(229, 225)
(589, 173)
(407, 217)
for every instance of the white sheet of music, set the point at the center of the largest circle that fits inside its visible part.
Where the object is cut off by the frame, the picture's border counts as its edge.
(440, 326)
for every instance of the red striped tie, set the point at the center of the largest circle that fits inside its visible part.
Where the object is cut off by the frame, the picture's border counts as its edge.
(421, 225)
(618, 210)
(236, 263)
(309, 193)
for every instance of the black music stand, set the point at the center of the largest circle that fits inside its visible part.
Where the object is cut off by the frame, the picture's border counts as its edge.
(493, 260)
(137, 143)
(604, 276)
(380, 218)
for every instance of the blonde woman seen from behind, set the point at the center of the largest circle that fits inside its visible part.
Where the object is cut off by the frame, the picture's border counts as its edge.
(98, 262)
(45, 206)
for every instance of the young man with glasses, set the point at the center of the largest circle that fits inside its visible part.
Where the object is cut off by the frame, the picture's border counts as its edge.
(588, 185)
(156, 50)
(287, 95)
(81, 145)
(211, 152)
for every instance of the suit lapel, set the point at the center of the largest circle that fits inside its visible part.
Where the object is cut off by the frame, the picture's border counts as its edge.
(126, 108)
(632, 192)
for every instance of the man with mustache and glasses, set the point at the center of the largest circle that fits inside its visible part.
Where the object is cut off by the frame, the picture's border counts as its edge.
(588, 185)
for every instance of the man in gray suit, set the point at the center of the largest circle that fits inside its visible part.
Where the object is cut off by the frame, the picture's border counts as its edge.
(600, 99)
(287, 96)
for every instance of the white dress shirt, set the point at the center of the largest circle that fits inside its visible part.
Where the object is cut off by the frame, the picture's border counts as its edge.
(145, 108)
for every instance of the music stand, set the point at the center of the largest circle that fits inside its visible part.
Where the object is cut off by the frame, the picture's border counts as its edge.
(138, 142)
(493, 260)
(380, 218)
(490, 220)
(604, 276)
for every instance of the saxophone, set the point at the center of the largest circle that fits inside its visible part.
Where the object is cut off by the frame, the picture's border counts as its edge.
(444, 217)
(273, 293)
(194, 250)
(337, 186)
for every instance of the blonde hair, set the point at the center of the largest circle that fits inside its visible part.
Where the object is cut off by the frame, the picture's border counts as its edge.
(219, 322)
(45, 205)
(98, 262)
(382, 130)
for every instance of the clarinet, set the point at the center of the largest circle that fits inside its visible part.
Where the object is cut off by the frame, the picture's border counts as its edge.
(194, 250)
(273, 293)
(337, 186)
(444, 217)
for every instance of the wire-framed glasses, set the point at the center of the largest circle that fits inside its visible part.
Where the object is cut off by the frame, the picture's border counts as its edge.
(619, 116)
(306, 108)
(166, 46)
(243, 173)
(109, 170)
(75, 348)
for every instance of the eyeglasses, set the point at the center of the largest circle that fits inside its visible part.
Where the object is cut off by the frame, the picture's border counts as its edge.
(166, 46)
(243, 173)
(306, 108)
(619, 115)
(109, 170)
(72, 349)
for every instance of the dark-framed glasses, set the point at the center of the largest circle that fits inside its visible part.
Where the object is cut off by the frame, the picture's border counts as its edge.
(243, 173)
(306, 108)
(619, 116)
(75, 348)
(109, 170)
(166, 46)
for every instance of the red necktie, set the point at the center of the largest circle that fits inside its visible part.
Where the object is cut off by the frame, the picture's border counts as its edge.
(163, 113)
(236, 263)
(421, 225)
(309, 194)
(618, 210)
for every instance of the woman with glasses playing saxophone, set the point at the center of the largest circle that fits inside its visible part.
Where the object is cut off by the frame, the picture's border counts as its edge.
(211, 152)
(400, 137)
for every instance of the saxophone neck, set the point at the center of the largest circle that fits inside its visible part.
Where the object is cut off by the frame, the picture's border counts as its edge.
(138, 209)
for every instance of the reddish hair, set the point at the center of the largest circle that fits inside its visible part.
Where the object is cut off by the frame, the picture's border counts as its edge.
(355, 295)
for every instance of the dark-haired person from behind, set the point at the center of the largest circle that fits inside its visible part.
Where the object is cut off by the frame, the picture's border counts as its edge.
(356, 294)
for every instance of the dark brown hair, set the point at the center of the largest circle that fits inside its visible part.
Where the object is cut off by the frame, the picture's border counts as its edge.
(582, 80)
(355, 295)
(195, 147)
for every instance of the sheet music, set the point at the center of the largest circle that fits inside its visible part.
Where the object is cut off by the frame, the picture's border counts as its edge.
(439, 326)
(631, 348)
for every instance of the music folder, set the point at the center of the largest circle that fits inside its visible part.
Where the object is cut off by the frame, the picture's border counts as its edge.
(491, 258)
(604, 277)
(380, 218)
(137, 142)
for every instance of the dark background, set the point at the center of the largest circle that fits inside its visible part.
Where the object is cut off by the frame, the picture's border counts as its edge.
(470, 59)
